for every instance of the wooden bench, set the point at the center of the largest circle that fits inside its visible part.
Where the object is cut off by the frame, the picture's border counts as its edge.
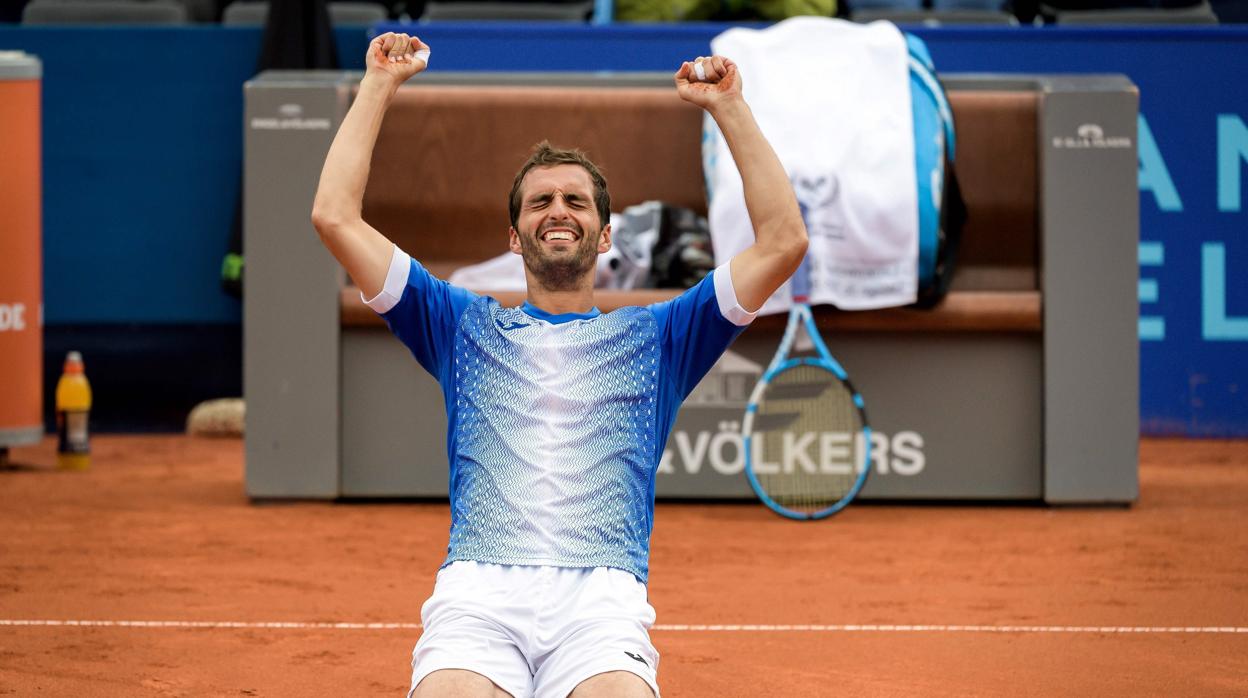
(962, 395)
(647, 142)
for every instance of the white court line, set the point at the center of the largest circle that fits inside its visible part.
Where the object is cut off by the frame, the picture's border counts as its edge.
(746, 628)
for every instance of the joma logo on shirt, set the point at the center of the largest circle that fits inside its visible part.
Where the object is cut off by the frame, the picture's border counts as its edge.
(513, 325)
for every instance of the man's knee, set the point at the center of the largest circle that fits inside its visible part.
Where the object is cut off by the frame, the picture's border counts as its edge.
(458, 682)
(613, 684)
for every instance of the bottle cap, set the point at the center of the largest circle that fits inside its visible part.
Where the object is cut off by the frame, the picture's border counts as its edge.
(73, 362)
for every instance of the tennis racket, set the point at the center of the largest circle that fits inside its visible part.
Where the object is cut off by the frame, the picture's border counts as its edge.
(806, 437)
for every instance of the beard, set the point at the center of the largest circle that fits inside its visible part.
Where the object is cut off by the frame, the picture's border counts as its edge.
(561, 268)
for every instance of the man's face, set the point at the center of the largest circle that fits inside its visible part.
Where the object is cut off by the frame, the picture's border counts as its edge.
(558, 232)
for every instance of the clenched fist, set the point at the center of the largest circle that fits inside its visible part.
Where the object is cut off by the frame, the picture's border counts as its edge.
(708, 82)
(396, 56)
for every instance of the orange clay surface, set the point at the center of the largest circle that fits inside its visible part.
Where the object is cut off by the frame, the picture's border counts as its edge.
(160, 530)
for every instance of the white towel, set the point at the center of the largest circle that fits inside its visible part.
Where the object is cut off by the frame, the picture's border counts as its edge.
(833, 99)
(502, 273)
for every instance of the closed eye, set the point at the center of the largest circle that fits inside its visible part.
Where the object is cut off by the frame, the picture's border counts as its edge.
(541, 201)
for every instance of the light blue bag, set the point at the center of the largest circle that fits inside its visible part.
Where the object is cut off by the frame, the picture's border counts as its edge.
(942, 212)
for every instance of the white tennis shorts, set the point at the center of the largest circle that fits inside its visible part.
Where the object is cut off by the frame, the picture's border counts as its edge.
(536, 632)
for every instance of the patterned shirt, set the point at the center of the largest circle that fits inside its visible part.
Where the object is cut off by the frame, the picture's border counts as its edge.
(557, 422)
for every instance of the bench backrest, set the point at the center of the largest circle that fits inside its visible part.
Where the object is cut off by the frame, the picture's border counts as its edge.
(446, 156)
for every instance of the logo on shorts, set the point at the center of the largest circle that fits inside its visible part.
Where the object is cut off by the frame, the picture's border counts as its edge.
(638, 657)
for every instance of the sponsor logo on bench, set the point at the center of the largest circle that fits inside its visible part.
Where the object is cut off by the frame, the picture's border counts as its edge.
(290, 118)
(1090, 136)
(824, 453)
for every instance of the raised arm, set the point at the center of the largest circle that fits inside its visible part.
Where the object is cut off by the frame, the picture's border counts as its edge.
(779, 233)
(337, 210)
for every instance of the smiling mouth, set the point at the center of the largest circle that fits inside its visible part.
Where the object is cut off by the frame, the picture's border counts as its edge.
(559, 235)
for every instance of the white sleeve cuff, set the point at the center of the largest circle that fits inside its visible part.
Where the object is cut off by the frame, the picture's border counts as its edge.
(726, 295)
(396, 280)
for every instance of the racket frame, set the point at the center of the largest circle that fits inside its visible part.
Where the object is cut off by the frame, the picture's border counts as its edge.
(800, 316)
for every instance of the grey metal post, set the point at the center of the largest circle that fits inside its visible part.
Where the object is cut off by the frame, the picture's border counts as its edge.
(1089, 272)
(291, 299)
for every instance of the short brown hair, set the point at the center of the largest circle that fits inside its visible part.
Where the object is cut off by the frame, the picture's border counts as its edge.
(546, 155)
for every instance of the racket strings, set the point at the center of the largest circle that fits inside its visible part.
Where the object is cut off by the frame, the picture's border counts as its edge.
(811, 446)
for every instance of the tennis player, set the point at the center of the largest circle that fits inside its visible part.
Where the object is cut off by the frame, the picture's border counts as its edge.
(558, 413)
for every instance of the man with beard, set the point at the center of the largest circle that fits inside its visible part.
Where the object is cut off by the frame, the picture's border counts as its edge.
(558, 413)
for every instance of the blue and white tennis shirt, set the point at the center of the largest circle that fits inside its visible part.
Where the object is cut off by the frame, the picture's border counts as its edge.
(557, 422)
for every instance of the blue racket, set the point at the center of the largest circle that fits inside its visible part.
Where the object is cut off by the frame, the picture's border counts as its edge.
(807, 440)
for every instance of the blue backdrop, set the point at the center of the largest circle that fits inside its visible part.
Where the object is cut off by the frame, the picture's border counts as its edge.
(143, 154)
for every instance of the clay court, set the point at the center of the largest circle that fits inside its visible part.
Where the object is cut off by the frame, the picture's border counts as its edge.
(152, 574)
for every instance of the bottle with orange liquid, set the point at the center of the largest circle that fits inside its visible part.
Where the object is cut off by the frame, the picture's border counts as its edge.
(73, 404)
